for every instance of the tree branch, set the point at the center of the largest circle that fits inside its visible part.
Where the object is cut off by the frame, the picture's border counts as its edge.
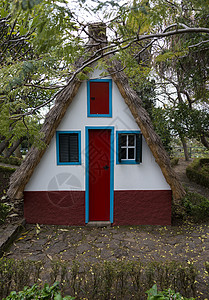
(44, 87)
(95, 57)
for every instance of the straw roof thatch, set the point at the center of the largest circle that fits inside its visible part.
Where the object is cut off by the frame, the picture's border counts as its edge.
(23, 174)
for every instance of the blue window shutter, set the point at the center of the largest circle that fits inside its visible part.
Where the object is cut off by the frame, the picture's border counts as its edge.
(139, 147)
(68, 147)
(63, 148)
(73, 147)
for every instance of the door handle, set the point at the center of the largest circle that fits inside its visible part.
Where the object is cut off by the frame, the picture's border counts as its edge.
(106, 167)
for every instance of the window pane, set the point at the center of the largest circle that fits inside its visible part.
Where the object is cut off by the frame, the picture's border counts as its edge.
(123, 153)
(131, 153)
(123, 139)
(131, 139)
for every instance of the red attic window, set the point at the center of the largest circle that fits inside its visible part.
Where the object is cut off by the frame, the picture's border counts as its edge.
(99, 98)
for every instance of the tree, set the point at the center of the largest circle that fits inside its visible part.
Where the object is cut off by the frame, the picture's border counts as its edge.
(182, 66)
(35, 52)
(42, 40)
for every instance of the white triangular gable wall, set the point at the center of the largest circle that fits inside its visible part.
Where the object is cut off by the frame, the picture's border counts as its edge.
(48, 176)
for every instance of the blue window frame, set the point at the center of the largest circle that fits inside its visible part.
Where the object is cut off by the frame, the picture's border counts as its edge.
(129, 147)
(68, 146)
(89, 98)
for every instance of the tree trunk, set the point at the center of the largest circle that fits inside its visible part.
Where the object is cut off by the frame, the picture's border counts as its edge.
(184, 144)
(13, 147)
(17, 152)
(4, 144)
(204, 141)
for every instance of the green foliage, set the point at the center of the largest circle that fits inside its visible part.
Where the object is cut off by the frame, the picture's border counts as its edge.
(4, 210)
(187, 121)
(5, 173)
(169, 294)
(182, 66)
(11, 160)
(41, 41)
(7, 170)
(35, 292)
(161, 125)
(37, 46)
(198, 171)
(197, 206)
(16, 274)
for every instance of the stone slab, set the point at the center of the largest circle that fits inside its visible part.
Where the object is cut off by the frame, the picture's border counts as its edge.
(9, 233)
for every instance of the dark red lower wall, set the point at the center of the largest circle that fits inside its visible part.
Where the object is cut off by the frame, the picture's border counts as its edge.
(57, 208)
(142, 207)
(68, 207)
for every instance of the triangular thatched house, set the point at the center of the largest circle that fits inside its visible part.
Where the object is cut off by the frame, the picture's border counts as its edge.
(103, 160)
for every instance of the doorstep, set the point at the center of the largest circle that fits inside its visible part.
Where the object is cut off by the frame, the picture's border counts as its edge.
(99, 224)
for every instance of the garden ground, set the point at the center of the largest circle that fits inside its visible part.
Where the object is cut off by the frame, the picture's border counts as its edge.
(186, 243)
(189, 243)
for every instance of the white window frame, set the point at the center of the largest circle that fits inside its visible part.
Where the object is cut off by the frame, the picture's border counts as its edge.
(127, 147)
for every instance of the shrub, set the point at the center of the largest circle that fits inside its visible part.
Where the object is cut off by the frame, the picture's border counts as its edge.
(168, 294)
(16, 161)
(15, 274)
(126, 279)
(197, 206)
(198, 171)
(5, 173)
(4, 210)
(108, 280)
(34, 292)
(7, 170)
(174, 161)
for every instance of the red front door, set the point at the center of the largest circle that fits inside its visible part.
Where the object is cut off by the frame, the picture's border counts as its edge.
(99, 175)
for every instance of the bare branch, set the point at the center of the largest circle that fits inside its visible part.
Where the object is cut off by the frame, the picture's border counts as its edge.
(45, 87)
(199, 44)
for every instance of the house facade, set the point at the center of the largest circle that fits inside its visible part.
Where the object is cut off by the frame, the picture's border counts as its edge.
(98, 166)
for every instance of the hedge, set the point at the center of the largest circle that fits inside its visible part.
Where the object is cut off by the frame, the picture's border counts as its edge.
(198, 171)
(108, 280)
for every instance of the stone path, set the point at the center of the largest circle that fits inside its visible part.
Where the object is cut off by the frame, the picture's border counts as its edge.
(148, 243)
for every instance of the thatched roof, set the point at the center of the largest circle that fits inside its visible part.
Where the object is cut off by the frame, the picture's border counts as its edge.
(23, 174)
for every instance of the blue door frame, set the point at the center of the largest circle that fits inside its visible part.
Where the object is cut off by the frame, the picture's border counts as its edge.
(111, 128)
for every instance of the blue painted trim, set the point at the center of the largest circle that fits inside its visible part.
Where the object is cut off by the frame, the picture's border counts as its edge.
(125, 162)
(87, 176)
(79, 148)
(111, 171)
(110, 99)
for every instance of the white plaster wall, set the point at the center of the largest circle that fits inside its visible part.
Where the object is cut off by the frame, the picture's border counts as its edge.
(50, 176)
